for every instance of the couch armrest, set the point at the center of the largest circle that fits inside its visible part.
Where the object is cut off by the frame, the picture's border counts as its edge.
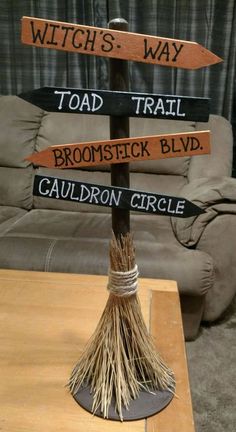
(216, 195)
(218, 240)
(213, 232)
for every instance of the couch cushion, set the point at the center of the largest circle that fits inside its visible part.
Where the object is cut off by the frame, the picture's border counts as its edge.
(8, 217)
(16, 186)
(52, 241)
(19, 124)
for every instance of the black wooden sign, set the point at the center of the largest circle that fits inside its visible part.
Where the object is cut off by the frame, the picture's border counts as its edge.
(116, 197)
(117, 103)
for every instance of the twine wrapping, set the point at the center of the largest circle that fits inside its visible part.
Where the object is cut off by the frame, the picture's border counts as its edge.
(123, 284)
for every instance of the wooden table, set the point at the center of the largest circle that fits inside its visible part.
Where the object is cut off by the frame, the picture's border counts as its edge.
(45, 321)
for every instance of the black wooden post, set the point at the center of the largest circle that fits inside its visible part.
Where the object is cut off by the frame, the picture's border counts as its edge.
(119, 128)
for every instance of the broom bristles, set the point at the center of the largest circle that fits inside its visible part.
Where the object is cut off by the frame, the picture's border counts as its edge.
(120, 359)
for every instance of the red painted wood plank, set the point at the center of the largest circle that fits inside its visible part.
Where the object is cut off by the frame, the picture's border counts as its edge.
(116, 44)
(123, 150)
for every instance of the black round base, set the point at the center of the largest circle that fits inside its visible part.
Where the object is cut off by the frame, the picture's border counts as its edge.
(146, 405)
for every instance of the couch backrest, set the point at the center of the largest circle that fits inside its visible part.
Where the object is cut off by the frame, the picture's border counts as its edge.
(25, 128)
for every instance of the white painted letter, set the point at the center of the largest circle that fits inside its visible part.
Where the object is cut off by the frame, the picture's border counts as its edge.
(95, 191)
(55, 189)
(159, 106)
(115, 200)
(159, 206)
(40, 186)
(149, 102)
(99, 100)
(77, 98)
(178, 107)
(62, 93)
(137, 196)
(83, 190)
(180, 207)
(138, 102)
(170, 102)
(85, 102)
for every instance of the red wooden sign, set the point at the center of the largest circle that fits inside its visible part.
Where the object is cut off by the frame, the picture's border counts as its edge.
(123, 150)
(116, 44)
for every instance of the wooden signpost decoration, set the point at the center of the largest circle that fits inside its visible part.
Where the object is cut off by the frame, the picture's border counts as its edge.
(114, 197)
(120, 365)
(123, 150)
(115, 44)
(118, 103)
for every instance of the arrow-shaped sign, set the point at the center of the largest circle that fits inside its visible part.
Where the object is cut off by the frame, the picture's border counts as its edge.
(115, 103)
(116, 197)
(116, 44)
(123, 150)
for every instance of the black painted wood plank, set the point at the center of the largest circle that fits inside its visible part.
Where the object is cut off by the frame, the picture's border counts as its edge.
(114, 197)
(119, 103)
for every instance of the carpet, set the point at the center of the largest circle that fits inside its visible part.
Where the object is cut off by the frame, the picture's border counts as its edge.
(212, 374)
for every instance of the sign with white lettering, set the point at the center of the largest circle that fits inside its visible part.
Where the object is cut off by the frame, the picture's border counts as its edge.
(116, 44)
(123, 150)
(116, 197)
(115, 103)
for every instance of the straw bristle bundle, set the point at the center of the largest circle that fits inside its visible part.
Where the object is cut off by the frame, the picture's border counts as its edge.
(120, 359)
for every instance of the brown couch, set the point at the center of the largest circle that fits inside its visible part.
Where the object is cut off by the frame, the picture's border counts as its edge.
(51, 235)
